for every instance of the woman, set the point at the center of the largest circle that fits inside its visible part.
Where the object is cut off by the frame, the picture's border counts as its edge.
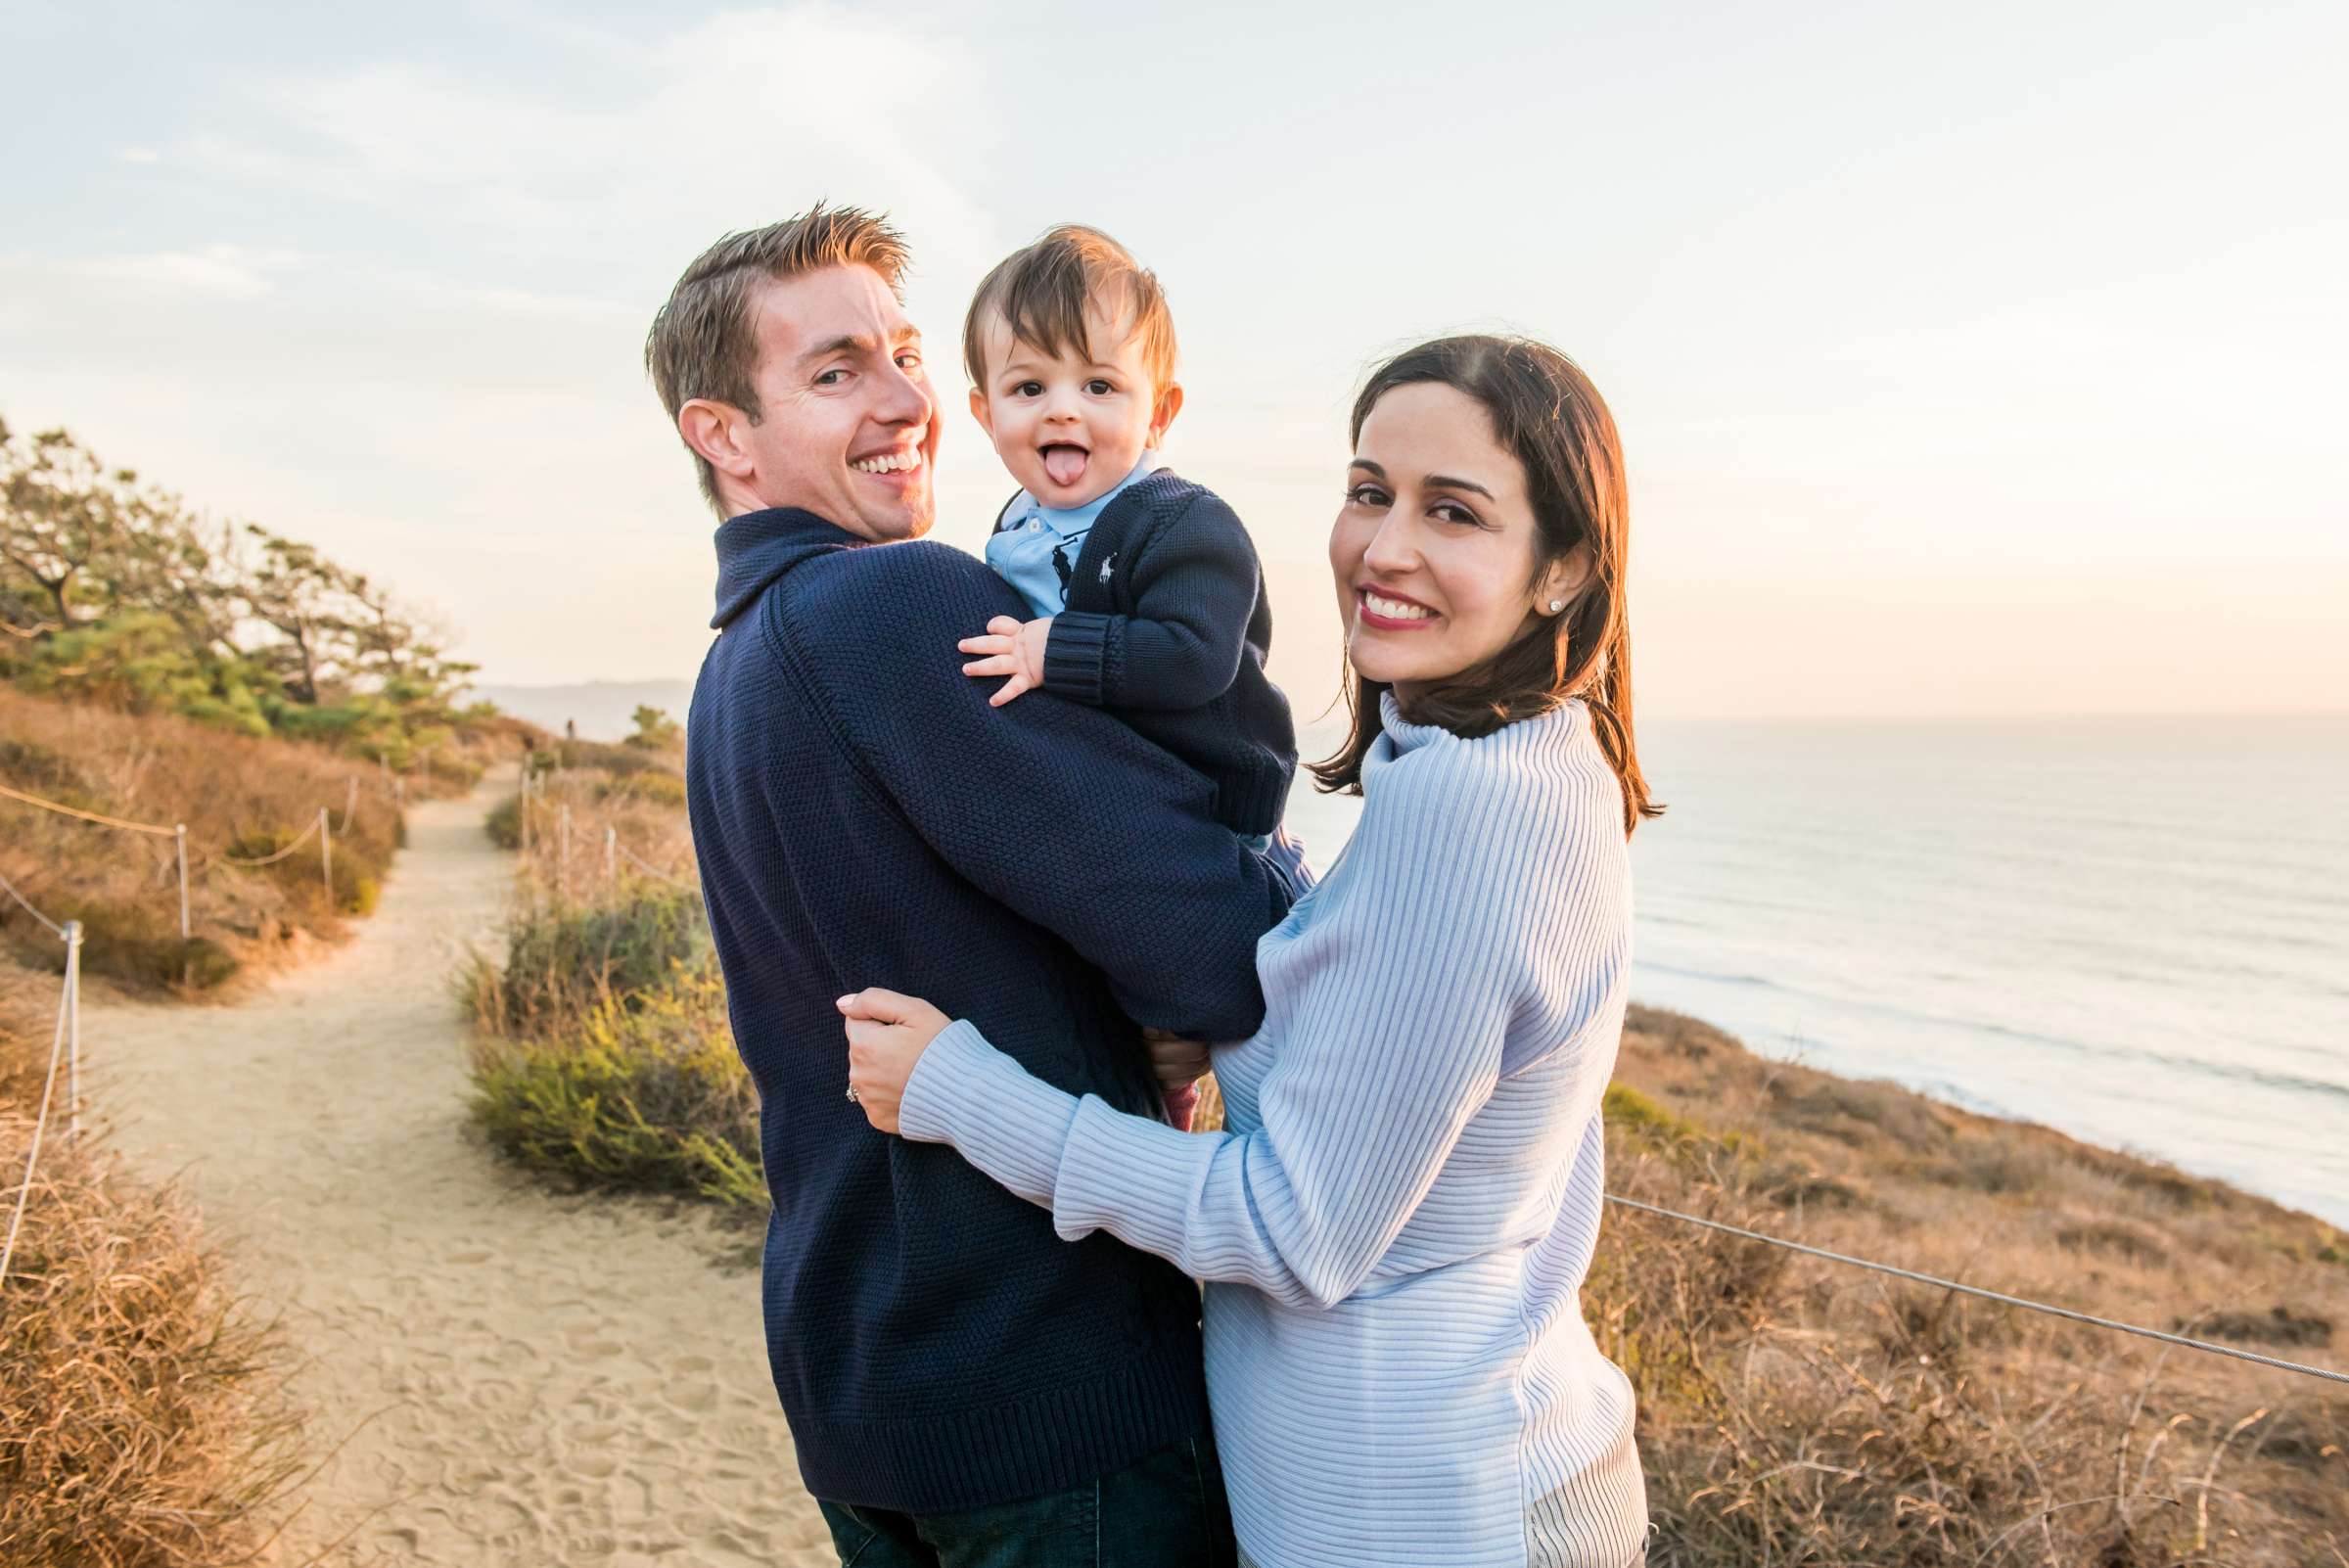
(1396, 1221)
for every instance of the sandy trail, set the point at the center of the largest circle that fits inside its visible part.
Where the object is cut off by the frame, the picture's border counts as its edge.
(522, 1377)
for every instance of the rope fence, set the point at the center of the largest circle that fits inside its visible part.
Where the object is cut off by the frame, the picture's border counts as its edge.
(533, 838)
(86, 816)
(64, 1044)
(25, 903)
(226, 859)
(646, 866)
(2001, 1296)
(178, 834)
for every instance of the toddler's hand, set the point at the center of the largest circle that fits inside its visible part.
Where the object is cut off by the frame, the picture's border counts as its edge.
(1011, 648)
(1176, 1060)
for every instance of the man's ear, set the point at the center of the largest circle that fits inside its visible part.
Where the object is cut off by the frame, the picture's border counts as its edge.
(716, 432)
(983, 412)
(1169, 404)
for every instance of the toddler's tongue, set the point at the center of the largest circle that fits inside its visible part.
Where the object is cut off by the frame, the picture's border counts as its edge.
(1063, 465)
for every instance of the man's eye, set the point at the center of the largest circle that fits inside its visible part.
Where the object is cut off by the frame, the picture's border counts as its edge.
(830, 378)
(910, 360)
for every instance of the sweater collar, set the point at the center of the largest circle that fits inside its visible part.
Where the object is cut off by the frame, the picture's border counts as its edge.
(757, 547)
(1398, 738)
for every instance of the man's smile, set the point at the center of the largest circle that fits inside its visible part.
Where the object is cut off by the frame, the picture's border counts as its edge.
(893, 460)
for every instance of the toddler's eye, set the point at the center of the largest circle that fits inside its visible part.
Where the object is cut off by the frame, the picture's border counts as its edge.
(1029, 388)
(1099, 388)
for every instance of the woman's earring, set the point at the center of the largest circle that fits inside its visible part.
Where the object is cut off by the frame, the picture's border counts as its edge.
(1556, 605)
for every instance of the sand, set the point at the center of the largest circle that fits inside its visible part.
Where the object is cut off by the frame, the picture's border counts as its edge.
(513, 1376)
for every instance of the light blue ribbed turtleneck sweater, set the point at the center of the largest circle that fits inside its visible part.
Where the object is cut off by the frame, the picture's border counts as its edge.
(1395, 1222)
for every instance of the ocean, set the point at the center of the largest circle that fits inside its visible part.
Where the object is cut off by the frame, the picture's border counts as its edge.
(2134, 929)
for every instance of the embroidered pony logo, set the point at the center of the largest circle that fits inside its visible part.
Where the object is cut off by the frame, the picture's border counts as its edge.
(1109, 565)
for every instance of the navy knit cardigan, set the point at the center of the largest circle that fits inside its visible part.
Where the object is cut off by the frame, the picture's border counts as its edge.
(864, 818)
(1168, 626)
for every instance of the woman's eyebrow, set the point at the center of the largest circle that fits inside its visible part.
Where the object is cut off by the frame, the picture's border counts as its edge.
(1368, 467)
(1446, 482)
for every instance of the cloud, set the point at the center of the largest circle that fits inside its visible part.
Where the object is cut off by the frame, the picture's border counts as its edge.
(219, 272)
(738, 119)
(139, 155)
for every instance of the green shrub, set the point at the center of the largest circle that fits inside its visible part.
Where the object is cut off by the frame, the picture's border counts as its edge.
(1634, 1112)
(356, 893)
(645, 1094)
(563, 962)
(504, 824)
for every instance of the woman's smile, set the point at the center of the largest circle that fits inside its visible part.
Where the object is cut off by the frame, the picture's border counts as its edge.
(1387, 611)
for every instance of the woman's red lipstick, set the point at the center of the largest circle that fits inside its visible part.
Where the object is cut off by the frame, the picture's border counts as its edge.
(1372, 617)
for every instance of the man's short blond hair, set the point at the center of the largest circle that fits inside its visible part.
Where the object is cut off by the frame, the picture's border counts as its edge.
(704, 342)
(1041, 293)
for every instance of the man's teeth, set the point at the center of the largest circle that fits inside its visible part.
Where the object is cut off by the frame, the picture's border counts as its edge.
(1394, 609)
(893, 463)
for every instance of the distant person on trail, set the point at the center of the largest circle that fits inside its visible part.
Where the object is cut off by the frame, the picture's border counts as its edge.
(963, 1388)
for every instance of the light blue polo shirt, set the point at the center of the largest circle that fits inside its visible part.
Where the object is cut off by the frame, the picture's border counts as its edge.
(1022, 551)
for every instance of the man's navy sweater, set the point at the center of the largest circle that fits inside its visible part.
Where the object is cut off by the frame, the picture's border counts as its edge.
(862, 817)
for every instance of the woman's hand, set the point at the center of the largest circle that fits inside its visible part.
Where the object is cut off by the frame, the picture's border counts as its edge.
(886, 1034)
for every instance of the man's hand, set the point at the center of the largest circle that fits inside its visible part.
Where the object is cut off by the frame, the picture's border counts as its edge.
(1176, 1060)
(1010, 648)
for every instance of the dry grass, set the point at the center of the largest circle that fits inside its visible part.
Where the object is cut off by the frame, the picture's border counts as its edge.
(237, 796)
(1796, 1412)
(142, 1420)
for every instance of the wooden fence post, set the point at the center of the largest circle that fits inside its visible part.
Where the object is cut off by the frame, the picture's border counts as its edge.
(179, 840)
(74, 1027)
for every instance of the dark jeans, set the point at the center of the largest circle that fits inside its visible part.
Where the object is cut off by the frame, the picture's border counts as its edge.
(1165, 1511)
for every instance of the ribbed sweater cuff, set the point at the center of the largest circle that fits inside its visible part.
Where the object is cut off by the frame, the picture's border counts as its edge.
(1077, 657)
(1002, 1119)
(1129, 1175)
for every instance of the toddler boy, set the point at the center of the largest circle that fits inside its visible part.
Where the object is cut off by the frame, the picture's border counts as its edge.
(1145, 593)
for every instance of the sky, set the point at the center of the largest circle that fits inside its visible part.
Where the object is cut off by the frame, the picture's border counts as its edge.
(1971, 360)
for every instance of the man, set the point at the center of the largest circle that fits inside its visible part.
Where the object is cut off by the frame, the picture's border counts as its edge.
(963, 1388)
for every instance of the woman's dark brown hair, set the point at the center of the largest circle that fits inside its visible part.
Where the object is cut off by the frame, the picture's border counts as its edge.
(1546, 413)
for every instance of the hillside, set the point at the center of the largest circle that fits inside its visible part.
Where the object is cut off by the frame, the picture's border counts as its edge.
(1795, 1409)
(259, 880)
